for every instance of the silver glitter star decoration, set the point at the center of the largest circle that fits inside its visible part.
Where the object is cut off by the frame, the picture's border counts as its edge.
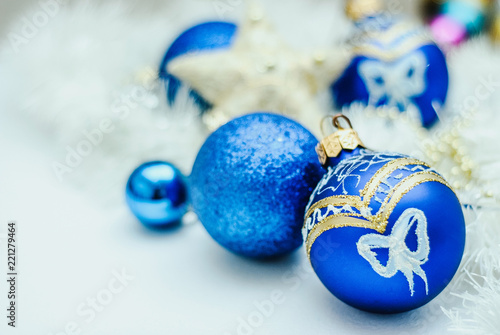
(260, 72)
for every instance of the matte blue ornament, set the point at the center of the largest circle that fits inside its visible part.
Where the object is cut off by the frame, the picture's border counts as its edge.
(396, 65)
(156, 193)
(204, 37)
(251, 181)
(384, 232)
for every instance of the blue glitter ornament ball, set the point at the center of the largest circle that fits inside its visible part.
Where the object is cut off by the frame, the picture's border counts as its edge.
(384, 232)
(251, 181)
(395, 64)
(156, 193)
(204, 37)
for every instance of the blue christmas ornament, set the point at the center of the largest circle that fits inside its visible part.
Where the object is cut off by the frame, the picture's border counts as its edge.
(204, 37)
(156, 193)
(251, 181)
(384, 232)
(394, 64)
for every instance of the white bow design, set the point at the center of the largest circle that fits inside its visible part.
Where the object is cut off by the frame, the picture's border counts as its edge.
(401, 258)
(397, 81)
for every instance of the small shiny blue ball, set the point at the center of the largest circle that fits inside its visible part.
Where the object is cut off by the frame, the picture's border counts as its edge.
(251, 181)
(156, 193)
(203, 37)
(398, 68)
(384, 232)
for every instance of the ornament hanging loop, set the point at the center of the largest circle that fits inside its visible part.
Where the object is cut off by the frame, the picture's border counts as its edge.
(335, 122)
(343, 139)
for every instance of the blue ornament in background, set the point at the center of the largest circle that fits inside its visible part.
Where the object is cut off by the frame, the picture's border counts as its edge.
(395, 64)
(204, 37)
(251, 181)
(156, 193)
(384, 232)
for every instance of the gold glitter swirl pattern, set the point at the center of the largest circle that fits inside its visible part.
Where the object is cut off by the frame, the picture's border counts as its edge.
(391, 55)
(334, 221)
(337, 200)
(370, 188)
(415, 40)
(365, 219)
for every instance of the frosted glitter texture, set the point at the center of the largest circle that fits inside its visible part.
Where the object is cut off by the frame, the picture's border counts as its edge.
(251, 182)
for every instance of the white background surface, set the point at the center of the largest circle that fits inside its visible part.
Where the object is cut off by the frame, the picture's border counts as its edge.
(184, 283)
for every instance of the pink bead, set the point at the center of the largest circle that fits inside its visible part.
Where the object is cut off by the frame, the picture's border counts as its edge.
(447, 32)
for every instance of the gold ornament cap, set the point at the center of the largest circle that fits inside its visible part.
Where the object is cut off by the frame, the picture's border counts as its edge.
(358, 9)
(343, 139)
(495, 29)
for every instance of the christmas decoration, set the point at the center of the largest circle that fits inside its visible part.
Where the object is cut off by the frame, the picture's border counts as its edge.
(157, 194)
(495, 25)
(259, 72)
(448, 32)
(251, 181)
(204, 37)
(384, 232)
(82, 34)
(394, 64)
(457, 20)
